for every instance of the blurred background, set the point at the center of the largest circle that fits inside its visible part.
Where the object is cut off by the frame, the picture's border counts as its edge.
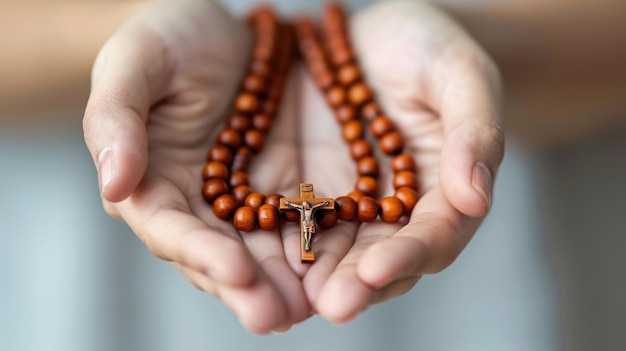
(544, 272)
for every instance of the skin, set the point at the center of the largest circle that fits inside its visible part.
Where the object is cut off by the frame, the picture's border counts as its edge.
(162, 85)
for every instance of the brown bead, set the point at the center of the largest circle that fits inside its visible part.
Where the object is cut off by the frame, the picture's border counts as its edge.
(238, 178)
(345, 207)
(360, 148)
(240, 193)
(359, 94)
(324, 79)
(326, 219)
(245, 218)
(215, 169)
(220, 153)
(213, 188)
(273, 199)
(345, 113)
(335, 96)
(255, 140)
(254, 83)
(403, 162)
(263, 52)
(260, 68)
(262, 123)
(367, 209)
(367, 166)
(367, 185)
(391, 209)
(224, 206)
(352, 131)
(267, 216)
(392, 143)
(229, 137)
(370, 111)
(380, 126)
(270, 107)
(341, 56)
(408, 197)
(355, 195)
(239, 122)
(405, 179)
(291, 216)
(247, 103)
(348, 74)
(254, 200)
(242, 159)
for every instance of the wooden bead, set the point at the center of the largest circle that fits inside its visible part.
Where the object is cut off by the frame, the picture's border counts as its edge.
(326, 219)
(290, 216)
(239, 122)
(273, 199)
(341, 56)
(367, 185)
(263, 52)
(370, 111)
(355, 195)
(247, 103)
(367, 209)
(348, 74)
(403, 162)
(392, 143)
(335, 96)
(245, 219)
(405, 179)
(254, 83)
(267, 216)
(408, 197)
(241, 160)
(262, 123)
(224, 206)
(380, 126)
(345, 113)
(220, 153)
(359, 94)
(360, 148)
(352, 131)
(254, 200)
(345, 207)
(260, 68)
(230, 138)
(215, 169)
(367, 166)
(213, 188)
(240, 193)
(324, 79)
(391, 209)
(254, 140)
(238, 178)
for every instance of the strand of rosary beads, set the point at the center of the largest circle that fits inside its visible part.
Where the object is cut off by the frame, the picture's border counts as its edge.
(256, 107)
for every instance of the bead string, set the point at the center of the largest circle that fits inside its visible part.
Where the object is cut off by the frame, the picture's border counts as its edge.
(337, 74)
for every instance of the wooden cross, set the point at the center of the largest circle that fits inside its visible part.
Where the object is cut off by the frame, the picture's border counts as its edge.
(307, 204)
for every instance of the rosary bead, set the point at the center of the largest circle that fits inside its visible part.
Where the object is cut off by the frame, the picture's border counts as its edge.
(392, 143)
(403, 162)
(215, 169)
(239, 122)
(241, 160)
(240, 193)
(405, 179)
(255, 140)
(345, 113)
(245, 218)
(380, 126)
(224, 206)
(359, 94)
(408, 197)
(324, 79)
(260, 68)
(345, 207)
(370, 111)
(254, 200)
(367, 209)
(367, 166)
(247, 103)
(291, 216)
(213, 188)
(268, 217)
(273, 199)
(229, 137)
(391, 209)
(263, 52)
(220, 153)
(367, 185)
(341, 56)
(254, 84)
(360, 148)
(238, 178)
(262, 123)
(352, 131)
(348, 74)
(335, 96)
(325, 219)
(355, 195)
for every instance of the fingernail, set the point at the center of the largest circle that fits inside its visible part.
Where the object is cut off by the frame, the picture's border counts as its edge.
(106, 167)
(481, 181)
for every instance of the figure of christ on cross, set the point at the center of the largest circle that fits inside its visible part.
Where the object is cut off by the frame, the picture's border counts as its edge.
(307, 205)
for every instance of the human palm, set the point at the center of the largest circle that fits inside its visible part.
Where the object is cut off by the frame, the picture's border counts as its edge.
(162, 89)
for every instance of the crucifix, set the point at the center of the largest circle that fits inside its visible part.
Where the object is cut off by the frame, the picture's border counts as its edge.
(307, 204)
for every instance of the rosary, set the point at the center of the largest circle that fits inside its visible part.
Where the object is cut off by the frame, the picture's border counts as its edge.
(335, 71)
